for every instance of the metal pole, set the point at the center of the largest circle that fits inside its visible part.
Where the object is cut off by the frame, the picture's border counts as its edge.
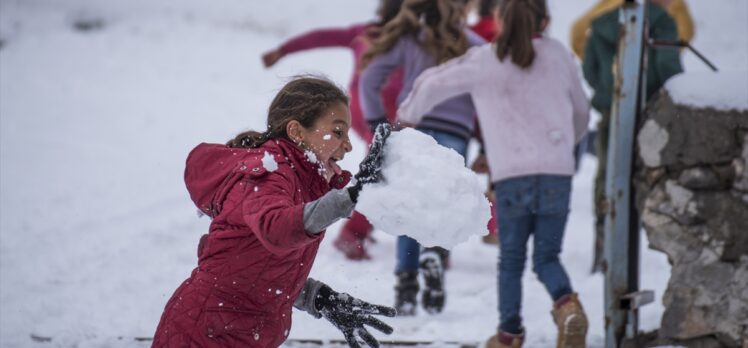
(679, 44)
(621, 226)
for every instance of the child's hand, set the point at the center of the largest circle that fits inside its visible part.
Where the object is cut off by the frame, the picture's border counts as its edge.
(270, 58)
(350, 314)
(370, 168)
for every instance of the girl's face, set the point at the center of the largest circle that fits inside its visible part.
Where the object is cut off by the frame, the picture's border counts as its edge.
(328, 138)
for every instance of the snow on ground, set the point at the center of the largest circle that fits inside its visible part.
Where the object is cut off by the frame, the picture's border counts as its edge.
(96, 228)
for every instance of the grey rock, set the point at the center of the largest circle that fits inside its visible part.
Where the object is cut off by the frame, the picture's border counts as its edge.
(691, 190)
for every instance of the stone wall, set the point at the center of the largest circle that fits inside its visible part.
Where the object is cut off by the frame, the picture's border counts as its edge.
(691, 189)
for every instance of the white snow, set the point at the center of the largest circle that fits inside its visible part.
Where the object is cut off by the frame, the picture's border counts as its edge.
(96, 227)
(427, 193)
(704, 89)
(269, 162)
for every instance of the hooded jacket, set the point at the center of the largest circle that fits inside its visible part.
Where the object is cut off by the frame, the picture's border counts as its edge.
(602, 46)
(255, 259)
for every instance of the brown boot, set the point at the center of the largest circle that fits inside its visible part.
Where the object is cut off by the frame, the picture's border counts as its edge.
(571, 322)
(505, 340)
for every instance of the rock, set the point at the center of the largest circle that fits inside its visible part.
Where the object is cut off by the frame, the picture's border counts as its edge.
(691, 184)
(699, 178)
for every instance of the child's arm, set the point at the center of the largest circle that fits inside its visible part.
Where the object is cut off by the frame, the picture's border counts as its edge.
(435, 85)
(330, 37)
(328, 209)
(372, 81)
(272, 215)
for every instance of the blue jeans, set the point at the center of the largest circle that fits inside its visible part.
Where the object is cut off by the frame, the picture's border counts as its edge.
(535, 205)
(408, 249)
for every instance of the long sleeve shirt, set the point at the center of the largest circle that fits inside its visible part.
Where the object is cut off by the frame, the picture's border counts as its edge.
(530, 118)
(456, 115)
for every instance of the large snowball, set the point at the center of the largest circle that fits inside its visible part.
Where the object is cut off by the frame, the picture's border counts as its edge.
(427, 194)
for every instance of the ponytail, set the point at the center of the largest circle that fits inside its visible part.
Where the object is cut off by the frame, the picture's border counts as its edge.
(523, 19)
(249, 139)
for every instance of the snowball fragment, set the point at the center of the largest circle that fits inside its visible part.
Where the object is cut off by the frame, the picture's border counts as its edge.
(269, 162)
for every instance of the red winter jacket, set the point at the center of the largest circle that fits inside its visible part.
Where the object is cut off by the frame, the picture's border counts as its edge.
(256, 257)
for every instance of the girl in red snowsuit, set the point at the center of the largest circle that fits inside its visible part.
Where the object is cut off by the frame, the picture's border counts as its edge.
(358, 38)
(270, 196)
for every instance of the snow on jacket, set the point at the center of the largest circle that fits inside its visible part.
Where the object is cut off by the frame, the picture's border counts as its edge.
(257, 255)
(530, 118)
(357, 38)
(456, 115)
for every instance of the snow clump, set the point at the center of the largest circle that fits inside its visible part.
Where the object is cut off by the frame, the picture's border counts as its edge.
(427, 193)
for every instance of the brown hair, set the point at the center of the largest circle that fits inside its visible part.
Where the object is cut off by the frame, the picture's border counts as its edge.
(304, 99)
(486, 7)
(388, 10)
(441, 22)
(522, 19)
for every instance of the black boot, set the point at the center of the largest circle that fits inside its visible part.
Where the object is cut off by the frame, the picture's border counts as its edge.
(432, 269)
(406, 292)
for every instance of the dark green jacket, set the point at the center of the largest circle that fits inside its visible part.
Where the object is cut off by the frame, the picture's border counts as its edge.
(602, 46)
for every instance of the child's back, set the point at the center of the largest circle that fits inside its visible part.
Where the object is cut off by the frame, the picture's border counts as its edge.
(530, 117)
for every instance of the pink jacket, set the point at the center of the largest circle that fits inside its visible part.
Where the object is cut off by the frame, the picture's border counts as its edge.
(530, 118)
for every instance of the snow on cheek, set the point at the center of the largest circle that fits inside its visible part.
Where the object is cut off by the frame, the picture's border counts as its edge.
(428, 193)
(327, 137)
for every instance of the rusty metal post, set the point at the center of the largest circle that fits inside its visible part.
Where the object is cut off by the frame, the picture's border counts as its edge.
(621, 221)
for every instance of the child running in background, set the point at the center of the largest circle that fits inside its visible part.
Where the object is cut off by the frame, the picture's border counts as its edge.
(424, 34)
(532, 110)
(358, 37)
(271, 196)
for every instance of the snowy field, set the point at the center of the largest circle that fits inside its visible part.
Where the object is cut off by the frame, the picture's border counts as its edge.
(96, 228)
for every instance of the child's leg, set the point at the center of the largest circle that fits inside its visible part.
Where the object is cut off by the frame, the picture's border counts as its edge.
(601, 142)
(408, 252)
(406, 289)
(351, 238)
(552, 212)
(514, 198)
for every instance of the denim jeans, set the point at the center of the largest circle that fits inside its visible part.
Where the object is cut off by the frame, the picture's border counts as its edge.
(535, 205)
(408, 249)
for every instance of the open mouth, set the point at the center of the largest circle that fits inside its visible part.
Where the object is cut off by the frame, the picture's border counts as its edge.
(332, 164)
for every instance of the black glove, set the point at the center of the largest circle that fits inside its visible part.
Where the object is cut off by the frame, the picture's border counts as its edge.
(350, 314)
(373, 124)
(370, 168)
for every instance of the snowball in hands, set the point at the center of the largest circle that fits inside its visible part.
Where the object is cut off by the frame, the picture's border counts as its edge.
(427, 193)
